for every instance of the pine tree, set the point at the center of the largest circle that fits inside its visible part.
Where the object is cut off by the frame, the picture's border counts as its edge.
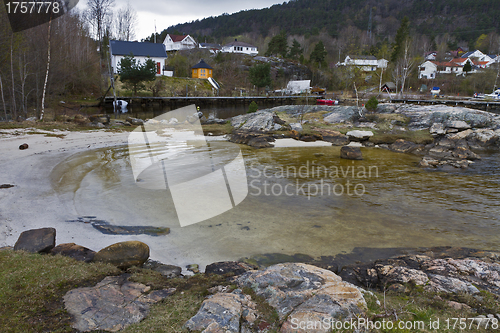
(295, 50)
(402, 35)
(134, 73)
(260, 75)
(319, 53)
(277, 45)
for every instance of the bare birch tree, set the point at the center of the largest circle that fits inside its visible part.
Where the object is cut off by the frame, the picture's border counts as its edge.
(125, 22)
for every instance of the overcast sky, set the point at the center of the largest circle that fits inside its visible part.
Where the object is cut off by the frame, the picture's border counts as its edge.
(168, 12)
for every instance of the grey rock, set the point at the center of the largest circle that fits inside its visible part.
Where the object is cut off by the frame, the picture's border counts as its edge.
(223, 312)
(359, 135)
(457, 124)
(225, 267)
(36, 240)
(341, 114)
(351, 153)
(135, 121)
(262, 120)
(437, 129)
(296, 127)
(288, 286)
(403, 146)
(74, 251)
(335, 137)
(113, 304)
(450, 285)
(169, 271)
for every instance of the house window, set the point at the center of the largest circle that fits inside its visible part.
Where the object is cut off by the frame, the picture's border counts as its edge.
(194, 71)
(209, 71)
(422, 69)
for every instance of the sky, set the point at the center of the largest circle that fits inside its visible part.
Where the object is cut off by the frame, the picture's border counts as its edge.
(167, 12)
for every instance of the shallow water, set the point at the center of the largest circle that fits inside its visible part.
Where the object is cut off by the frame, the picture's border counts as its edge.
(302, 200)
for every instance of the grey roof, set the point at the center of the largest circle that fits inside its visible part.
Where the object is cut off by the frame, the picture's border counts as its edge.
(202, 64)
(118, 47)
(236, 43)
(210, 45)
(467, 54)
(363, 57)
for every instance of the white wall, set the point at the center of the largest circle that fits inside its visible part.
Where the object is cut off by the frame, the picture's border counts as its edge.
(115, 61)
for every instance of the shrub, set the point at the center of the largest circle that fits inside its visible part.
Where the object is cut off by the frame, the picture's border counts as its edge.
(372, 104)
(253, 107)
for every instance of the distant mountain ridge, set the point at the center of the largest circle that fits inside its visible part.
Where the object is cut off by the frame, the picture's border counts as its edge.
(464, 19)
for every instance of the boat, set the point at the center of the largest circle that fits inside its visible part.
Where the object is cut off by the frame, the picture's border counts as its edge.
(327, 102)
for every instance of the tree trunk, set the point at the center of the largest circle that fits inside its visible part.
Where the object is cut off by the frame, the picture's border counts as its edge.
(13, 108)
(3, 99)
(46, 75)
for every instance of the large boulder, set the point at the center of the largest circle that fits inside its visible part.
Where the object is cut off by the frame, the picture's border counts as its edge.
(74, 251)
(124, 254)
(335, 137)
(253, 139)
(301, 292)
(36, 240)
(262, 121)
(169, 271)
(358, 135)
(341, 114)
(351, 153)
(223, 312)
(403, 146)
(113, 304)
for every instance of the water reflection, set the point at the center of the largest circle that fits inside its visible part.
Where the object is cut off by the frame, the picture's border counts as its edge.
(401, 205)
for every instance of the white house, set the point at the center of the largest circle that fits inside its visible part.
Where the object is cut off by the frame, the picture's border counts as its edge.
(141, 51)
(298, 87)
(179, 42)
(365, 63)
(240, 47)
(480, 56)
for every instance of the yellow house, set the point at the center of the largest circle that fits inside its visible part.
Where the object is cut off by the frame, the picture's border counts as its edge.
(201, 70)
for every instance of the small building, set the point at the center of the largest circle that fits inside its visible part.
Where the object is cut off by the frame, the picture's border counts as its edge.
(298, 87)
(240, 47)
(366, 63)
(389, 87)
(179, 42)
(140, 51)
(201, 70)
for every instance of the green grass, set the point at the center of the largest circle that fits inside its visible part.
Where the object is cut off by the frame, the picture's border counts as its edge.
(32, 287)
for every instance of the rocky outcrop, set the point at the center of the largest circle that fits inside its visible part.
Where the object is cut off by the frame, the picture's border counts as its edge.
(305, 293)
(168, 271)
(351, 153)
(36, 240)
(298, 292)
(335, 137)
(342, 114)
(434, 271)
(113, 304)
(261, 121)
(403, 146)
(74, 251)
(223, 312)
(252, 139)
(124, 254)
(226, 267)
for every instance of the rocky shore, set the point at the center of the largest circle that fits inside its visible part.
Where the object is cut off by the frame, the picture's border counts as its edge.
(455, 135)
(460, 279)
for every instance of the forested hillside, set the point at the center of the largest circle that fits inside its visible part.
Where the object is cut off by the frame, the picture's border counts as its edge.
(464, 20)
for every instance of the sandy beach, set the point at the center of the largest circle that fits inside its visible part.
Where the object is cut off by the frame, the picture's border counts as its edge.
(33, 203)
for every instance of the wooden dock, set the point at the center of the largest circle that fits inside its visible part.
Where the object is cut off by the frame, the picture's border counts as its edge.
(490, 106)
(179, 101)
